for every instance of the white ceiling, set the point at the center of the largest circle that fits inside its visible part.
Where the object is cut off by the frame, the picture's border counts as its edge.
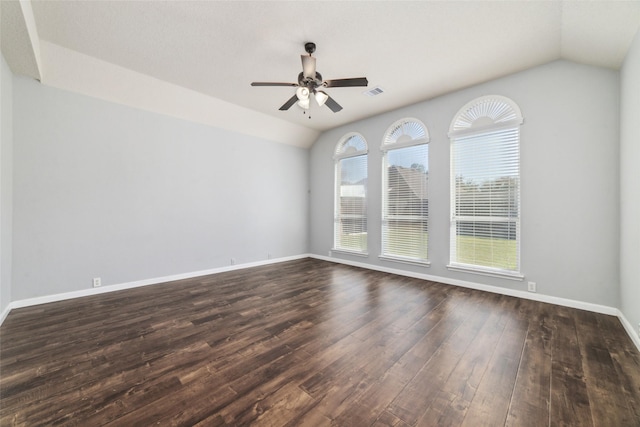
(413, 50)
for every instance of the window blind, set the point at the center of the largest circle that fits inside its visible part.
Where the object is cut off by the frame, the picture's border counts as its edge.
(485, 226)
(350, 219)
(406, 203)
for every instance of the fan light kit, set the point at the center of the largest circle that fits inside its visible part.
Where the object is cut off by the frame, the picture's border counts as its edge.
(310, 82)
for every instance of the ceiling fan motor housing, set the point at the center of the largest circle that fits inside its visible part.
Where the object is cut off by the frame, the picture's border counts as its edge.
(310, 47)
(309, 82)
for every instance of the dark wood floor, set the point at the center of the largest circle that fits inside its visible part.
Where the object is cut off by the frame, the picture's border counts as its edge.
(312, 343)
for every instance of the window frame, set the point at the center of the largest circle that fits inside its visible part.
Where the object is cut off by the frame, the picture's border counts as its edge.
(342, 152)
(391, 142)
(485, 117)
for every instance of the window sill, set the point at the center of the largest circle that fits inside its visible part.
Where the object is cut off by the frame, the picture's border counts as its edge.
(486, 272)
(346, 252)
(405, 260)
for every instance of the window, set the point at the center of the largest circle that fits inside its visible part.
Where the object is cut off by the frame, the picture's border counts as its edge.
(405, 202)
(485, 187)
(350, 219)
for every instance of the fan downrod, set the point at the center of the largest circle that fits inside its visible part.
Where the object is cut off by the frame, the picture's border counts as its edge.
(310, 47)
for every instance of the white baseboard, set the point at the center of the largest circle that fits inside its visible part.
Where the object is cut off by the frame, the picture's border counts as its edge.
(136, 284)
(629, 328)
(5, 313)
(596, 308)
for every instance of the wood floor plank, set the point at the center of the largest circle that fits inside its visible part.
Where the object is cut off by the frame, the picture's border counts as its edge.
(569, 396)
(603, 385)
(313, 343)
(286, 406)
(389, 420)
(450, 405)
(368, 407)
(490, 403)
(626, 361)
(344, 390)
(419, 393)
(531, 395)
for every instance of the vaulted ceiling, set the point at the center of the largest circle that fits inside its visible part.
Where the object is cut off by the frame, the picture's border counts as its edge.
(214, 49)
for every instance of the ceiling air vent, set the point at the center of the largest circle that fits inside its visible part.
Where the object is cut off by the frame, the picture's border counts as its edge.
(373, 92)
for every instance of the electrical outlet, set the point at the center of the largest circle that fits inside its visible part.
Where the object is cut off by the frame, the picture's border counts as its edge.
(532, 286)
(233, 261)
(97, 282)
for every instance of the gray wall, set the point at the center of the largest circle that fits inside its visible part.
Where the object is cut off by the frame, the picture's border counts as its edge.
(104, 190)
(630, 185)
(6, 187)
(569, 169)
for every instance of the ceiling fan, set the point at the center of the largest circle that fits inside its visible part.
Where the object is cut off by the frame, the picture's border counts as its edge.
(310, 82)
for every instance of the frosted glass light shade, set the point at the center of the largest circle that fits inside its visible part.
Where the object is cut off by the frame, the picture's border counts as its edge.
(302, 93)
(304, 103)
(321, 97)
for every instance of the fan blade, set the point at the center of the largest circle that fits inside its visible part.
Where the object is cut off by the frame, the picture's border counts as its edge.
(308, 66)
(357, 81)
(273, 84)
(332, 104)
(289, 103)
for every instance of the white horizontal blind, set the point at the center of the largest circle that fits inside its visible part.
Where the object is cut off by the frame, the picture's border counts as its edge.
(486, 200)
(350, 220)
(405, 202)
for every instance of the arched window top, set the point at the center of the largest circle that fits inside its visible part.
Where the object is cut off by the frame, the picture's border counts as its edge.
(352, 144)
(486, 113)
(405, 132)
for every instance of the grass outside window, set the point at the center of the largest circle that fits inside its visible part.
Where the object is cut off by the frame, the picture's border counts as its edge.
(487, 252)
(406, 239)
(353, 241)
(471, 250)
